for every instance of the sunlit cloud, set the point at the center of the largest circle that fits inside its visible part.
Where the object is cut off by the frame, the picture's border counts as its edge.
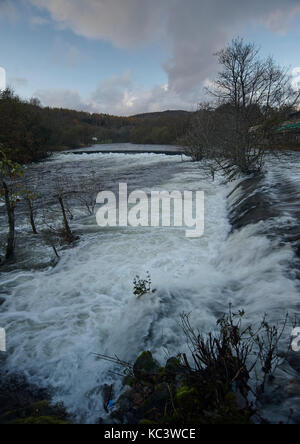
(119, 96)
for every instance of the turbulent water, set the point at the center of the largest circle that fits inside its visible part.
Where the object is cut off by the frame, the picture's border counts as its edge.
(58, 318)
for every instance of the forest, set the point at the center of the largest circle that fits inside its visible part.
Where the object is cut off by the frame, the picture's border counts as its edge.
(28, 131)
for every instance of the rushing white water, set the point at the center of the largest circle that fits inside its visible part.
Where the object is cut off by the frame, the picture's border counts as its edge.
(56, 319)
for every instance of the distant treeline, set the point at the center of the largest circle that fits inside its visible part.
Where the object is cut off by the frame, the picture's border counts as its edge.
(29, 131)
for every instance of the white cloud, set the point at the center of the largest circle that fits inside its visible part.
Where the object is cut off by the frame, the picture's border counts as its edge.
(296, 77)
(118, 96)
(17, 82)
(61, 98)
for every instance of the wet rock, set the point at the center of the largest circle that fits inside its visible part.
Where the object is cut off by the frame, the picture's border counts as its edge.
(107, 395)
(2, 301)
(129, 409)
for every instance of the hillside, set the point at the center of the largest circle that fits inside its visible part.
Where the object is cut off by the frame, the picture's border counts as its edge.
(163, 114)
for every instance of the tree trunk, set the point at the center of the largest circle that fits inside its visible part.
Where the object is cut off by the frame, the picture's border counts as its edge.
(31, 216)
(69, 235)
(10, 208)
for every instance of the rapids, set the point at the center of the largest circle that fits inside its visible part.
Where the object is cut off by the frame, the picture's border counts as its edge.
(58, 318)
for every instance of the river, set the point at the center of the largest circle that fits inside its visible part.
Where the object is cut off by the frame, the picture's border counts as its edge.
(57, 318)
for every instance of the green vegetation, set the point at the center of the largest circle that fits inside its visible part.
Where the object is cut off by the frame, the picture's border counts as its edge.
(214, 386)
(141, 287)
(29, 131)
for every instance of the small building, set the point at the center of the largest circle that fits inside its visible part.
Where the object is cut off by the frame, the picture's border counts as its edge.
(290, 130)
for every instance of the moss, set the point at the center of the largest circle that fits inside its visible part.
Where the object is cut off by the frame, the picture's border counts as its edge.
(186, 397)
(39, 420)
(41, 412)
(229, 413)
(129, 380)
(174, 395)
(147, 422)
(173, 365)
(145, 366)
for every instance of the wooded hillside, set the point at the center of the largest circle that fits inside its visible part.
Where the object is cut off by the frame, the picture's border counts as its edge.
(29, 131)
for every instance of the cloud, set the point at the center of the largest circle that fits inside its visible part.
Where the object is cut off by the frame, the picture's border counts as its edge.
(61, 98)
(190, 31)
(17, 82)
(199, 31)
(113, 94)
(118, 96)
(123, 22)
(296, 77)
(8, 10)
(38, 20)
(281, 23)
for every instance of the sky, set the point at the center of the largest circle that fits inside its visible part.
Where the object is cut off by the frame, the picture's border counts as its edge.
(125, 57)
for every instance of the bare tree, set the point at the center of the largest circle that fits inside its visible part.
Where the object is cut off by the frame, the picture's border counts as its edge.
(8, 193)
(252, 95)
(50, 238)
(87, 191)
(67, 234)
(30, 196)
(197, 139)
(249, 91)
(247, 80)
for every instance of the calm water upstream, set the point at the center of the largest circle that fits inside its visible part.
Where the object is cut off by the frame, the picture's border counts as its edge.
(57, 318)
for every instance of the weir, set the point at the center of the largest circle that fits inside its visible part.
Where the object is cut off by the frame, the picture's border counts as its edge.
(128, 148)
